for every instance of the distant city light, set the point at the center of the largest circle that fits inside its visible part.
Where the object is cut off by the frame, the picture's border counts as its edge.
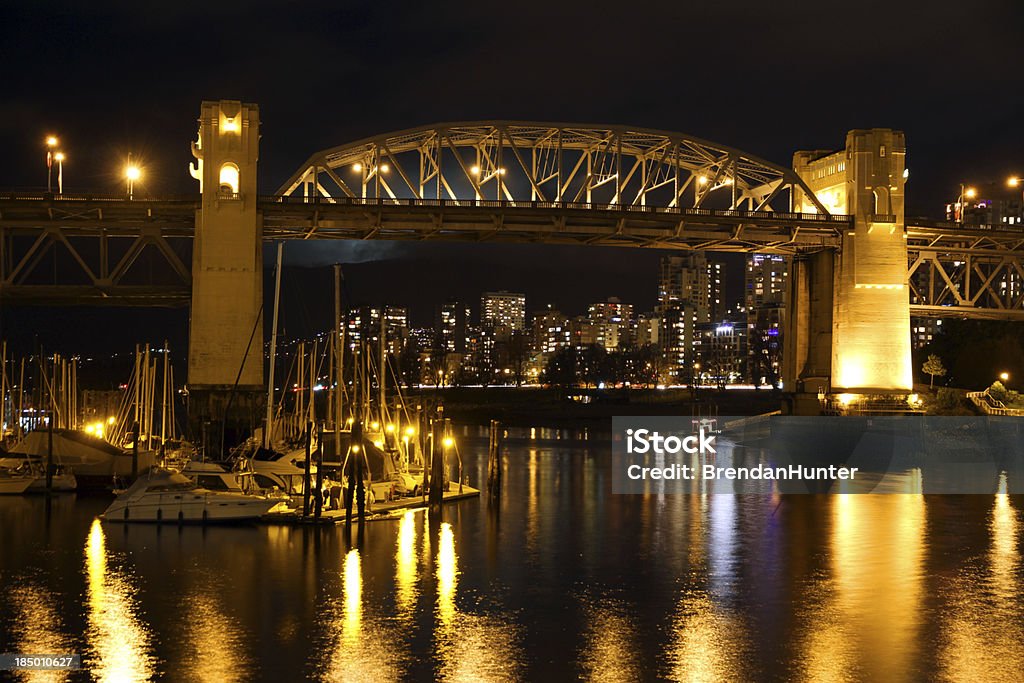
(357, 167)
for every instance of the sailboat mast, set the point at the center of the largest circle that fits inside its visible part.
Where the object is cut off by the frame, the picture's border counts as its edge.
(339, 355)
(163, 401)
(268, 430)
(382, 365)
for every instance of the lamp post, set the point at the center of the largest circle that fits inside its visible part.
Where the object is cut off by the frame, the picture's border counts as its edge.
(51, 143)
(1016, 182)
(59, 158)
(965, 193)
(132, 173)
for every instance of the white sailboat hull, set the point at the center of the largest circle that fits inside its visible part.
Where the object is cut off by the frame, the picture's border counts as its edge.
(14, 485)
(189, 506)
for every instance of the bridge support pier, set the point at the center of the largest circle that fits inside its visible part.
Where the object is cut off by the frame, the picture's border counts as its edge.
(225, 360)
(848, 332)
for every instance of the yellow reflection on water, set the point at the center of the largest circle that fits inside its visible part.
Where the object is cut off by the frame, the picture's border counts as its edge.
(352, 578)
(36, 627)
(983, 630)
(707, 642)
(610, 651)
(447, 576)
(405, 564)
(363, 650)
(1004, 557)
(470, 647)
(214, 643)
(118, 642)
(863, 620)
(707, 638)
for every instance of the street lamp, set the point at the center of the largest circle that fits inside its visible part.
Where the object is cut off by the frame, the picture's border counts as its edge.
(59, 158)
(51, 143)
(965, 193)
(1004, 377)
(132, 173)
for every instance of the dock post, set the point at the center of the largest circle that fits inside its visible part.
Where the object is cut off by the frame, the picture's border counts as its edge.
(49, 455)
(361, 480)
(319, 470)
(306, 482)
(437, 464)
(493, 462)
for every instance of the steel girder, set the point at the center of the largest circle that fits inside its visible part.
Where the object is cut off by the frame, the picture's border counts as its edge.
(95, 250)
(551, 163)
(957, 271)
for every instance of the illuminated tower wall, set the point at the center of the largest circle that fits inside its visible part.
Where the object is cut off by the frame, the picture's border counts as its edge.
(870, 330)
(227, 264)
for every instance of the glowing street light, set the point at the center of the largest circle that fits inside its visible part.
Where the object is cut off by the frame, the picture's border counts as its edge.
(965, 193)
(1004, 377)
(1013, 181)
(51, 144)
(132, 173)
(59, 158)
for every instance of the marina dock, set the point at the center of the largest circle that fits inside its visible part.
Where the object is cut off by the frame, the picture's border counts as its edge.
(382, 511)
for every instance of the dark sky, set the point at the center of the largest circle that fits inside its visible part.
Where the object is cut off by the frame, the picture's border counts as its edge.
(765, 77)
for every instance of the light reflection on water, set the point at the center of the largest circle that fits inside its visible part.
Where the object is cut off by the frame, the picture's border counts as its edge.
(364, 649)
(984, 637)
(558, 580)
(118, 642)
(37, 627)
(870, 601)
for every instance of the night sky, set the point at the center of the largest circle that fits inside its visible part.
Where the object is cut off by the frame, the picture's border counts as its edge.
(766, 77)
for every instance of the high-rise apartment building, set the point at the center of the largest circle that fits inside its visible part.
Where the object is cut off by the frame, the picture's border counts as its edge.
(503, 309)
(695, 281)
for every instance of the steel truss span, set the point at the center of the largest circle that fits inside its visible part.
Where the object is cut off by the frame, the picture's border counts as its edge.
(962, 272)
(548, 163)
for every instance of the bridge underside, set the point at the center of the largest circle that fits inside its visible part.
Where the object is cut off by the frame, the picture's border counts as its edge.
(108, 251)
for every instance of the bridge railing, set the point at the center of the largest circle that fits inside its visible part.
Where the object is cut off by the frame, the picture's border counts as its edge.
(537, 204)
(34, 196)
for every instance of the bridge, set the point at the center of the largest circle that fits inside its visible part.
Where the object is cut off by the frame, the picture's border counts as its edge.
(860, 269)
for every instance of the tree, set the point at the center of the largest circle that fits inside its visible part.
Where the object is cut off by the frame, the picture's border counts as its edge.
(933, 366)
(561, 368)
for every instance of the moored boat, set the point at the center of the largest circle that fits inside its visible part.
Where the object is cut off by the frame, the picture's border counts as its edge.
(161, 495)
(63, 478)
(14, 483)
(94, 461)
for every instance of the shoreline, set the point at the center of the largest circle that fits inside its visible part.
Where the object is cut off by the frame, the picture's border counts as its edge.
(583, 408)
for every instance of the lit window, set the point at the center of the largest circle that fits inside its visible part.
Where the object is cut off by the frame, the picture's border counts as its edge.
(229, 179)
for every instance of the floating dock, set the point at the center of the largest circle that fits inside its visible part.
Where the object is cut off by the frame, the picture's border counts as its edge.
(379, 511)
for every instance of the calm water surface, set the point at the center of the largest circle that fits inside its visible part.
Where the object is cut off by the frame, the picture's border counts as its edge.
(561, 580)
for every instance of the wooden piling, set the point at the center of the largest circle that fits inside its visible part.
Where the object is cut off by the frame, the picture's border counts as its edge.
(437, 464)
(306, 479)
(49, 455)
(493, 462)
(319, 470)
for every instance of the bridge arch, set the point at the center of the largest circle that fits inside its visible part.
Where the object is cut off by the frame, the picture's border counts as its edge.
(555, 163)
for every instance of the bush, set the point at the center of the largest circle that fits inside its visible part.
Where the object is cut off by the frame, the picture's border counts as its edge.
(999, 392)
(947, 400)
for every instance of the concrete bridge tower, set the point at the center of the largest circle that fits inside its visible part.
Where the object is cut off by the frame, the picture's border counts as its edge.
(848, 332)
(225, 359)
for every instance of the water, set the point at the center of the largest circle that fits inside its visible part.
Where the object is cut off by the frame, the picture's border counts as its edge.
(561, 581)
